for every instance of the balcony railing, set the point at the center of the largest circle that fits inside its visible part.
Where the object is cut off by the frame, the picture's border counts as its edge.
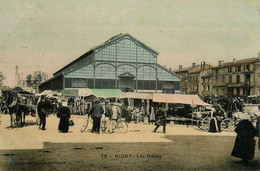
(247, 83)
(221, 84)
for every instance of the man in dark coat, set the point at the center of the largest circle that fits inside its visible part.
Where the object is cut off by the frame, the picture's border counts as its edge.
(64, 115)
(42, 111)
(161, 117)
(95, 111)
(244, 147)
(108, 114)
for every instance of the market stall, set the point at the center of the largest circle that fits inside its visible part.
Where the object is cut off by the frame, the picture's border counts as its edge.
(189, 103)
(80, 99)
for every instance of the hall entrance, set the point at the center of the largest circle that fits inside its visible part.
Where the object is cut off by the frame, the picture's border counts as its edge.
(126, 82)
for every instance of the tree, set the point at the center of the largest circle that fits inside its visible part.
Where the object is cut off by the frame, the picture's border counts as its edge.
(36, 78)
(2, 77)
(29, 80)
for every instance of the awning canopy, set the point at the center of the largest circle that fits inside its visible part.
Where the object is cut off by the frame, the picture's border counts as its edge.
(179, 98)
(85, 92)
(134, 95)
(106, 93)
(70, 92)
(49, 93)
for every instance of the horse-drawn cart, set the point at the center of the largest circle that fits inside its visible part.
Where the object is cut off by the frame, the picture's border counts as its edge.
(19, 104)
(250, 111)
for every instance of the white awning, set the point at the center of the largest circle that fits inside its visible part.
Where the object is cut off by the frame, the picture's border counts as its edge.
(179, 98)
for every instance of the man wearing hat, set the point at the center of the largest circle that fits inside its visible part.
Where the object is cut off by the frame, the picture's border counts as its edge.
(161, 118)
(108, 114)
(42, 111)
(95, 111)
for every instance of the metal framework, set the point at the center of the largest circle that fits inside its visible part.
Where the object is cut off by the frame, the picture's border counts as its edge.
(115, 57)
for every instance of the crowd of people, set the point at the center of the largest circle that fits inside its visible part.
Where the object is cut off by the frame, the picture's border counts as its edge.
(155, 113)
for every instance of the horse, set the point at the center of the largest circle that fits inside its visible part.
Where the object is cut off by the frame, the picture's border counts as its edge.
(12, 102)
(3, 107)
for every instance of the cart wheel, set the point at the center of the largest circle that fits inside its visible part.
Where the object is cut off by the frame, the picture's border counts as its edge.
(205, 124)
(227, 125)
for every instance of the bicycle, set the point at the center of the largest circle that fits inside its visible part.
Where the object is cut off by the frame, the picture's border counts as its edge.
(85, 125)
(120, 124)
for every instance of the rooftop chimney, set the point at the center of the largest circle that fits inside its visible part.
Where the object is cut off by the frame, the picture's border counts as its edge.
(170, 69)
(234, 60)
(193, 64)
(180, 67)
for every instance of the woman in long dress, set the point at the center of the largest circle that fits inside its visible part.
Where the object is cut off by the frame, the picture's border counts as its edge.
(244, 147)
(64, 115)
(152, 116)
(258, 131)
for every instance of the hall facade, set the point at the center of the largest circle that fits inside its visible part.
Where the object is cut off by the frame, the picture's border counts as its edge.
(122, 62)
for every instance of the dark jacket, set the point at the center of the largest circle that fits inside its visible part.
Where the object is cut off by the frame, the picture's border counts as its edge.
(63, 112)
(42, 107)
(161, 114)
(96, 110)
(109, 112)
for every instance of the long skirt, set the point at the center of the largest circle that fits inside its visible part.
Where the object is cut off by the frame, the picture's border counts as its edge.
(213, 125)
(152, 116)
(244, 148)
(64, 124)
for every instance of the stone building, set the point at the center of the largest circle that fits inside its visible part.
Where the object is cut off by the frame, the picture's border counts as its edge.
(191, 78)
(206, 82)
(237, 78)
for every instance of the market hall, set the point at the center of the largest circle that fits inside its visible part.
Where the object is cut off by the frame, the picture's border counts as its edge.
(122, 62)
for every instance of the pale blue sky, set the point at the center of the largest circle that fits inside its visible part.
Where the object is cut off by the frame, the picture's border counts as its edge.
(46, 35)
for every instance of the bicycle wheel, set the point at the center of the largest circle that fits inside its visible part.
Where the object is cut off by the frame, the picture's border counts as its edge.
(227, 125)
(205, 123)
(85, 125)
(103, 126)
(122, 126)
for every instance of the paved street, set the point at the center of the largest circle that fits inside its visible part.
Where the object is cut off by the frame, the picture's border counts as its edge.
(181, 148)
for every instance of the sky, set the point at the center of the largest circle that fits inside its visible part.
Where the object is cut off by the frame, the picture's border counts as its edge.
(46, 35)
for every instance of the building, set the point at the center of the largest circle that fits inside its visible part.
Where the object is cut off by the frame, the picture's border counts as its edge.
(237, 78)
(192, 77)
(206, 82)
(122, 62)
